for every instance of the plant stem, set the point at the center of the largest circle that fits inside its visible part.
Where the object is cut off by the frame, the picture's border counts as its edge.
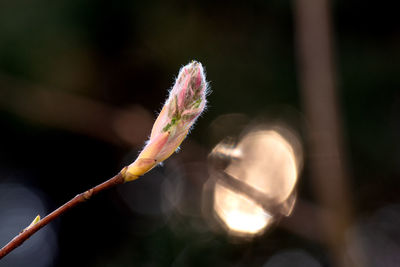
(25, 234)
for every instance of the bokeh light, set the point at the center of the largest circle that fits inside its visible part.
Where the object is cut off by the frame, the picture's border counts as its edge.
(267, 162)
(240, 213)
(255, 178)
(292, 258)
(374, 240)
(19, 206)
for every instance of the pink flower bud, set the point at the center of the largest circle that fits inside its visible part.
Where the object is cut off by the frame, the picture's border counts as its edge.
(186, 101)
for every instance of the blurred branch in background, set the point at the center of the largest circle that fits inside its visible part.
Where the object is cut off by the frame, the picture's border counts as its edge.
(78, 114)
(325, 140)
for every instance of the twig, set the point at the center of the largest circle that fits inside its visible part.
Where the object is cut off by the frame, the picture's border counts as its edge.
(28, 232)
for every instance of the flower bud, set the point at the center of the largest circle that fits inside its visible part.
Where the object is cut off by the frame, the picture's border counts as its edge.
(186, 101)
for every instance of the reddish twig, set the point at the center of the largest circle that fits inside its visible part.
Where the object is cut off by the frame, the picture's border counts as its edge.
(28, 232)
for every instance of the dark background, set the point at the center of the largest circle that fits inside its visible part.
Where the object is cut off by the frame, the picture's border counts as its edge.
(80, 82)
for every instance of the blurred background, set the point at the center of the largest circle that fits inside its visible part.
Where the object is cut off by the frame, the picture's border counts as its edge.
(295, 163)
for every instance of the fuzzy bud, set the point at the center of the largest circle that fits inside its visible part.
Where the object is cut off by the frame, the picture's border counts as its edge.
(186, 101)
